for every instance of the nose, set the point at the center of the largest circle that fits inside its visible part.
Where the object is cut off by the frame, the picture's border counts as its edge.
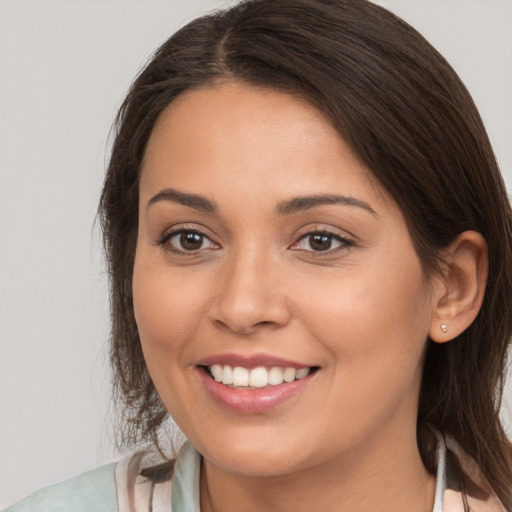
(250, 296)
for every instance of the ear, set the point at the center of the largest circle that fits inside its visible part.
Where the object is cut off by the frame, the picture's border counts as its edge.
(459, 292)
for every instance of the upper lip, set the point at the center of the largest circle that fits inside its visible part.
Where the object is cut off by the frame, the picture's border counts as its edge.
(251, 361)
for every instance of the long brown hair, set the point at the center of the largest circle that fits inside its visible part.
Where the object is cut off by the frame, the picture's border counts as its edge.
(409, 119)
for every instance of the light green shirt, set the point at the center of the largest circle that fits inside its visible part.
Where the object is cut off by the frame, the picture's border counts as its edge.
(121, 488)
(94, 491)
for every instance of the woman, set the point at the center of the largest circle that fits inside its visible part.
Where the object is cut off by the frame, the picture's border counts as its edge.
(309, 247)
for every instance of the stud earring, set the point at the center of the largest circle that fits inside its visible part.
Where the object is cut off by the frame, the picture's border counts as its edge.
(444, 328)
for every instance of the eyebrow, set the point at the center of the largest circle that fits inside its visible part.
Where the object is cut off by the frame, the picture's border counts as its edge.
(298, 204)
(195, 201)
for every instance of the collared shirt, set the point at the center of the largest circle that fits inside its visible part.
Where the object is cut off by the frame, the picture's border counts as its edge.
(137, 494)
(141, 482)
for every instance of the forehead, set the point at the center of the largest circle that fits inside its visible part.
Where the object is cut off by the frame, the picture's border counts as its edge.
(233, 133)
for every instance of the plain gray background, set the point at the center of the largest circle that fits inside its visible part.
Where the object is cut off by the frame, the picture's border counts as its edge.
(64, 67)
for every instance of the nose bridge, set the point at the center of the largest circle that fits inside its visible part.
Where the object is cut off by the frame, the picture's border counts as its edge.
(249, 295)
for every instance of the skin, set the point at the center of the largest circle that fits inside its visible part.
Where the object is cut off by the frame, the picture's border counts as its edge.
(360, 311)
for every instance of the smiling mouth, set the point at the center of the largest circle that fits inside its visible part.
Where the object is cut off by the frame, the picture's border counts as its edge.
(256, 378)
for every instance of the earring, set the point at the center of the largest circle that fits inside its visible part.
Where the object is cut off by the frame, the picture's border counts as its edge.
(444, 328)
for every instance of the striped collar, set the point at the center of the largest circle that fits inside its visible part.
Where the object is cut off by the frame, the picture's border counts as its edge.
(137, 492)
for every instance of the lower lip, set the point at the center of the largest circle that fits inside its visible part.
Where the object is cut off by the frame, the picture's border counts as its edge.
(252, 401)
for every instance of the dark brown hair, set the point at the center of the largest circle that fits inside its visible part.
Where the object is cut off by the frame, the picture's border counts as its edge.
(409, 119)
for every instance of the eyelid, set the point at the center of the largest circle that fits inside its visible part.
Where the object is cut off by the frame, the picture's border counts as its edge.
(346, 241)
(183, 228)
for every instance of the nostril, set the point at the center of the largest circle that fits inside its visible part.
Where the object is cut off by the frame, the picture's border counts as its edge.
(244, 312)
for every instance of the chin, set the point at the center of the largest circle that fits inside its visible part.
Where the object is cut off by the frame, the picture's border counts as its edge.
(253, 456)
(256, 465)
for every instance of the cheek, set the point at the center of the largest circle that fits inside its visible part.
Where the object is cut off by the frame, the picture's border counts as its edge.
(374, 315)
(166, 315)
(375, 330)
(166, 310)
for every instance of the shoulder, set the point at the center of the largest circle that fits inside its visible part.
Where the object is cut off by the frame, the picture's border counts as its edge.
(93, 490)
(150, 481)
(139, 481)
(144, 482)
(465, 482)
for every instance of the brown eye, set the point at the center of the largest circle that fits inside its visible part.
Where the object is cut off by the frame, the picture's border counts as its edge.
(191, 241)
(188, 241)
(321, 242)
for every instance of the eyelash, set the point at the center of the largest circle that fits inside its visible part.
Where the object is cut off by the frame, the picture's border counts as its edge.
(164, 241)
(344, 243)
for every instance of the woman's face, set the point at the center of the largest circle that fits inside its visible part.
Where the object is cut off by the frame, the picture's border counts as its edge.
(266, 252)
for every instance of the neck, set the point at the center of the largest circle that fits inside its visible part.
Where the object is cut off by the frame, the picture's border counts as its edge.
(382, 475)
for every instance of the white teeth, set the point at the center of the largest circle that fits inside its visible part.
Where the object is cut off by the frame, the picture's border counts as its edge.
(257, 377)
(240, 376)
(275, 376)
(289, 374)
(302, 373)
(216, 370)
(227, 375)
